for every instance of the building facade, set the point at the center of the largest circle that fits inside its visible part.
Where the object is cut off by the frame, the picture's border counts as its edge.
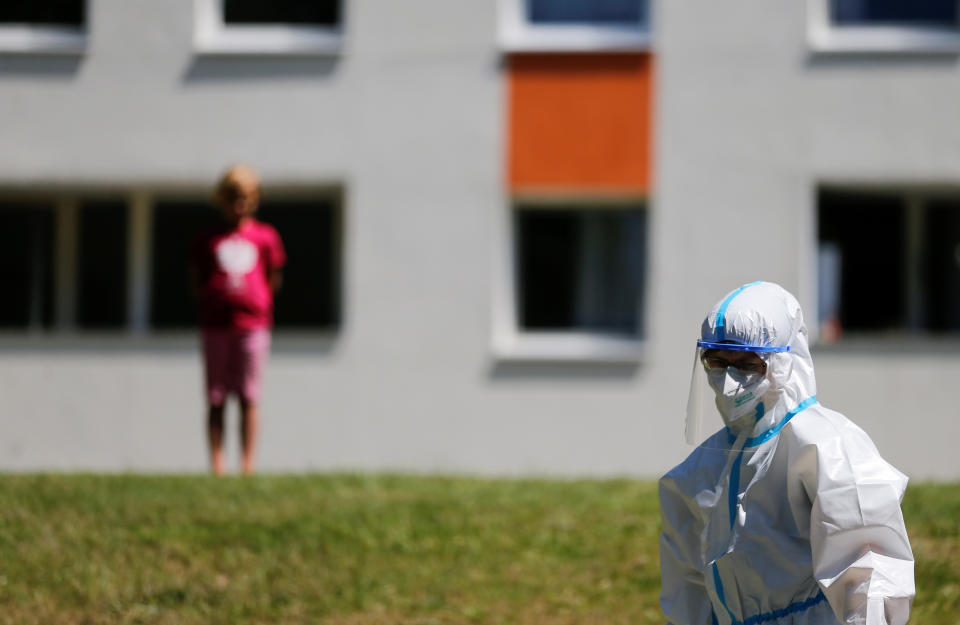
(505, 220)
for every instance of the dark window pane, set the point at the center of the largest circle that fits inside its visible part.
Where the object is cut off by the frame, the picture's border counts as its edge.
(867, 232)
(586, 11)
(920, 12)
(175, 226)
(102, 265)
(547, 243)
(305, 12)
(49, 12)
(581, 269)
(310, 230)
(941, 255)
(26, 265)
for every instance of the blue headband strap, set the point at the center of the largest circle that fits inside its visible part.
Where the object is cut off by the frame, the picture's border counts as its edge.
(738, 347)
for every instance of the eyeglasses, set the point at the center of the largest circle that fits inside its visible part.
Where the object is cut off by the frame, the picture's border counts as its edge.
(719, 362)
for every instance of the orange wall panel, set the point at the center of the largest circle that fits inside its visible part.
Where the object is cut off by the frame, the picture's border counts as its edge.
(580, 122)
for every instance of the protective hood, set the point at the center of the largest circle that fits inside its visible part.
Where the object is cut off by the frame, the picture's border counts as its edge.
(760, 317)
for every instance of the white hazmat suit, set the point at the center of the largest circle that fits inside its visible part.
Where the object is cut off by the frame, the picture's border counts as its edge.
(788, 515)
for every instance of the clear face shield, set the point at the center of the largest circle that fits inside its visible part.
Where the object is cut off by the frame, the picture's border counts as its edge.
(727, 386)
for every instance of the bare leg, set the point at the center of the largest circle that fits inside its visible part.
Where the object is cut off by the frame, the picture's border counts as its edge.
(215, 437)
(249, 429)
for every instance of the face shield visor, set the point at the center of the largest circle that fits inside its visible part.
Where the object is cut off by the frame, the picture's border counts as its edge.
(729, 380)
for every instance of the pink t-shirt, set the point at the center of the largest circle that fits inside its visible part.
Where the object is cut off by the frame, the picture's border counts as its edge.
(233, 266)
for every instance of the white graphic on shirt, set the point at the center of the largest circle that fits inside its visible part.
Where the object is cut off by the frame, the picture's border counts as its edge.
(237, 257)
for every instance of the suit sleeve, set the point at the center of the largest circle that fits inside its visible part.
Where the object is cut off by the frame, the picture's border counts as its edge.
(683, 596)
(861, 553)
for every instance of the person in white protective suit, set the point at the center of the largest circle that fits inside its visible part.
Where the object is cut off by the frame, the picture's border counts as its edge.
(787, 515)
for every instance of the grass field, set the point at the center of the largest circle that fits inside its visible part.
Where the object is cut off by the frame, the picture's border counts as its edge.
(350, 549)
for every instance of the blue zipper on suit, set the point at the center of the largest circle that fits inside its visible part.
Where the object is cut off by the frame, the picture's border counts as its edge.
(733, 494)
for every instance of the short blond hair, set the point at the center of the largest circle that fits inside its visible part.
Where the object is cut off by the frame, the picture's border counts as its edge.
(238, 175)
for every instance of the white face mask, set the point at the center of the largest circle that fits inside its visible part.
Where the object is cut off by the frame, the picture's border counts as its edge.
(738, 392)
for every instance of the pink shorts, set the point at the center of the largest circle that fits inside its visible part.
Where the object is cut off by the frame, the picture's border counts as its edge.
(234, 361)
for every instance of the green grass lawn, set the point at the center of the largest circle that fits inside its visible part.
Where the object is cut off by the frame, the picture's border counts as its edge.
(83, 549)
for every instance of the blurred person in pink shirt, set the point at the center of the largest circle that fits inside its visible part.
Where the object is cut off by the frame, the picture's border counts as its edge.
(236, 268)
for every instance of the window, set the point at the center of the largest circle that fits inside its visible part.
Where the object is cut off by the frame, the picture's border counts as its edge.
(885, 25)
(310, 229)
(257, 27)
(889, 263)
(53, 26)
(575, 282)
(65, 264)
(310, 297)
(614, 12)
(942, 265)
(91, 261)
(580, 269)
(574, 25)
(175, 225)
(26, 264)
(48, 12)
(258, 12)
(915, 12)
(101, 270)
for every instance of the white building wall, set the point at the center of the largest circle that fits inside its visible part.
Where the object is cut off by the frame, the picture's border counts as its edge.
(410, 120)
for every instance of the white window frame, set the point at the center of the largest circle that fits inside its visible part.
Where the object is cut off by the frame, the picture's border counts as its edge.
(213, 36)
(517, 34)
(824, 36)
(512, 343)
